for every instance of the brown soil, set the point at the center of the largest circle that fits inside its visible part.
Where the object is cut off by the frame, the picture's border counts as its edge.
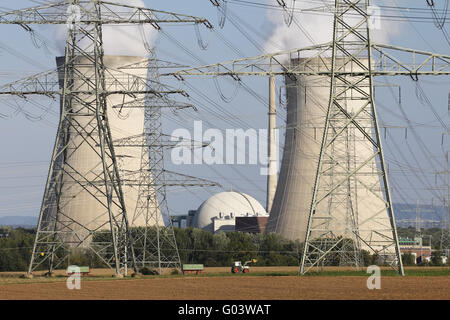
(236, 288)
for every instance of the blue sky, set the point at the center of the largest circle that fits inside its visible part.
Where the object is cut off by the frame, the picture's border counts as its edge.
(27, 140)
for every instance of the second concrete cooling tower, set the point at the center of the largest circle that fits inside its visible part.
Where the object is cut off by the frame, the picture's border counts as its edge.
(307, 102)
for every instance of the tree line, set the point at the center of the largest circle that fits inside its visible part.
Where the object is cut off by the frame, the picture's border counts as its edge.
(198, 246)
(15, 249)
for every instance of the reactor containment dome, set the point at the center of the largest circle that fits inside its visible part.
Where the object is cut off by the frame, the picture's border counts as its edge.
(219, 212)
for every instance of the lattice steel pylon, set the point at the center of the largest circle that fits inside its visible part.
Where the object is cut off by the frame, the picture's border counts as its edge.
(155, 243)
(83, 127)
(445, 219)
(152, 202)
(445, 230)
(332, 229)
(337, 228)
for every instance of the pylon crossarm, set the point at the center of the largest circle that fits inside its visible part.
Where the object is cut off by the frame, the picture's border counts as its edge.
(47, 83)
(418, 62)
(168, 141)
(155, 63)
(279, 63)
(191, 180)
(41, 83)
(118, 78)
(112, 13)
(172, 179)
(157, 102)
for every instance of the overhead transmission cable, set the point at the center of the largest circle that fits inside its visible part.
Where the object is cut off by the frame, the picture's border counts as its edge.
(439, 21)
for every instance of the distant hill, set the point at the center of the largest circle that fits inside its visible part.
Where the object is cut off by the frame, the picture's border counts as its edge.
(431, 216)
(19, 222)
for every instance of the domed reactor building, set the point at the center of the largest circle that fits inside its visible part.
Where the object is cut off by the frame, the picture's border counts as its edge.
(222, 211)
(356, 209)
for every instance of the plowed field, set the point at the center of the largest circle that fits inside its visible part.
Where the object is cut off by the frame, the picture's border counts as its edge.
(230, 287)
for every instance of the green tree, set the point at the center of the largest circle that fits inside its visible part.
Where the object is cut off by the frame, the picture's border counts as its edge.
(203, 246)
(366, 257)
(436, 258)
(375, 259)
(221, 243)
(408, 259)
(270, 250)
(241, 247)
(15, 250)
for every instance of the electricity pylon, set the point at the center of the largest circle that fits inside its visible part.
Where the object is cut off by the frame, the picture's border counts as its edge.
(152, 201)
(445, 219)
(154, 242)
(351, 107)
(445, 230)
(87, 84)
(350, 61)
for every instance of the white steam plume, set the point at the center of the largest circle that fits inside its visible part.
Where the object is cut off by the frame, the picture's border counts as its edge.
(318, 26)
(124, 40)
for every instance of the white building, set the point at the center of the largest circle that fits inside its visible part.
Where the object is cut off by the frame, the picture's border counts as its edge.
(219, 212)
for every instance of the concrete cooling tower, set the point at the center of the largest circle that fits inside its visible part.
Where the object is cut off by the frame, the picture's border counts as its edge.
(307, 103)
(83, 213)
